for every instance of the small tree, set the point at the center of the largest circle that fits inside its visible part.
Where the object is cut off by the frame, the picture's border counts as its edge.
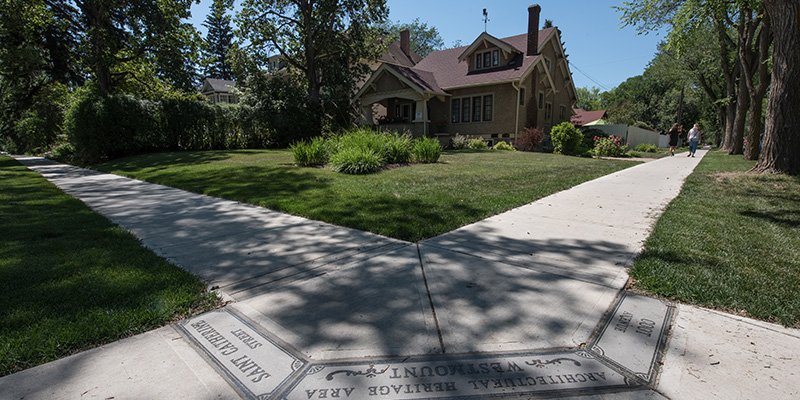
(566, 138)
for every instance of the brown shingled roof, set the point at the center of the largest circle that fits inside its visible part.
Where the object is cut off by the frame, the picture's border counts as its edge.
(394, 55)
(450, 73)
(424, 79)
(583, 117)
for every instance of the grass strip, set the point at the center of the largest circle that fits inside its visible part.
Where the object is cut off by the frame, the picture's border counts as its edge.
(409, 203)
(730, 241)
(71, 280)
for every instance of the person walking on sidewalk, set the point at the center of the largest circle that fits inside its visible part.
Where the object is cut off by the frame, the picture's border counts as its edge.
(694, 139)
(674, 132)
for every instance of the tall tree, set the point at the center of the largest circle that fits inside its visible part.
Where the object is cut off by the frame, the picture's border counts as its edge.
(122, 33)
(755, 64)
(219, 41)
(326, 41)
(37, 61)
(424, 38)
(589, 98)
(685, 17)
(781, 147)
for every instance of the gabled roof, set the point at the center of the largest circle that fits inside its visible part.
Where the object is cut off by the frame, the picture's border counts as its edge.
(451, 73)
(395, 55)
(583, 117)
(220, 85)
(424, 79)
(417, 80)
(487, 38)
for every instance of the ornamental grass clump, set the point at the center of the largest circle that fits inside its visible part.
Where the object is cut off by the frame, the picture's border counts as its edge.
(356, 161)
(310, 154)
(397, 148)
(610, 146)
(426, 150)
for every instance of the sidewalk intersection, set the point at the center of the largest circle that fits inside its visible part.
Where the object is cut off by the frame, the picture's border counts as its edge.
(528, 302)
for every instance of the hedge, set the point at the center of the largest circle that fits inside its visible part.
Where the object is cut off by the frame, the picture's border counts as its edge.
(103, 128)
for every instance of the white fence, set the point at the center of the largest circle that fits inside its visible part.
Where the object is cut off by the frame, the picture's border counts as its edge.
(632, 135)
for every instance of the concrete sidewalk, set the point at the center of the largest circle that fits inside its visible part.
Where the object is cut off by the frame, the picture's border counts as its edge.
(537, 285)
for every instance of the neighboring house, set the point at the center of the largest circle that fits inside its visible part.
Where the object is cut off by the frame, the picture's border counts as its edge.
(588, 118)
(492, 88)
(219, 90)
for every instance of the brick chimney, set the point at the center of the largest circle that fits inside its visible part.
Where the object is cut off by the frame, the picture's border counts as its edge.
(533, 30)
(405, 42)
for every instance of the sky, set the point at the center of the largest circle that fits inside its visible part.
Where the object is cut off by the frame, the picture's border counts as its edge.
(601, 52)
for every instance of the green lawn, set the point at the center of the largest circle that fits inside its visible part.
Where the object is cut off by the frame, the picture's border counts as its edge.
(71, 280)
(730, 241)
(409, 203)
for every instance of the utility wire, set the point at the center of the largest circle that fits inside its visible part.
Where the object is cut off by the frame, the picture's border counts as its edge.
(589, 77)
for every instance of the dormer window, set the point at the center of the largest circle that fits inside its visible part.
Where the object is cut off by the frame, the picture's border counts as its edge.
(487, 59)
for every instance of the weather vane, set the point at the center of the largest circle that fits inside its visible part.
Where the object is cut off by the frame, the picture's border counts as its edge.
(485, 19)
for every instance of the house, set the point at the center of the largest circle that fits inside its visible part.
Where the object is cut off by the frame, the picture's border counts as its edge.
(219, 90)
(492, 88)
(583, 117)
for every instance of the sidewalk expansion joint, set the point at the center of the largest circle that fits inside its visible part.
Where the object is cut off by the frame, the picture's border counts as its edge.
(430, 299)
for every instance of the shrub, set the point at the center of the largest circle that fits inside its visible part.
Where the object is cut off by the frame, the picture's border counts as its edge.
(459, 142)
(504, 146)
(647, 148)
(529, 139)
(477, 144)
(609, 146)
(426, 150)
(63, 151)
(310, 154)
(397, 148)
(566, 138)
(356, 160)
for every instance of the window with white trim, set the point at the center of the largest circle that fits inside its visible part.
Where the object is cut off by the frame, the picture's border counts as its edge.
(455, 111)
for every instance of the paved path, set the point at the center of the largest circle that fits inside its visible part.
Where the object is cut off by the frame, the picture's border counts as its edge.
(538, 285)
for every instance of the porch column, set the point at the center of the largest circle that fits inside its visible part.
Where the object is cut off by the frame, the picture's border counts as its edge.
(422, 115)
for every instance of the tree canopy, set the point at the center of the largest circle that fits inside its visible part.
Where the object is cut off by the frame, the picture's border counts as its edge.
(424, 38)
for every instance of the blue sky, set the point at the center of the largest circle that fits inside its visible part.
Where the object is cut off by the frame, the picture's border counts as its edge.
(601, 53)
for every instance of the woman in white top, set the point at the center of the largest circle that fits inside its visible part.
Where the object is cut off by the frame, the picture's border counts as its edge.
(694, 139)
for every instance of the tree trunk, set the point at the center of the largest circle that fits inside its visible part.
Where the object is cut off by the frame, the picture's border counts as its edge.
(757, 92)
(723, 122)
(97, 22)
(737, 136)
(679, 116)
(729, 74)
(781, 148)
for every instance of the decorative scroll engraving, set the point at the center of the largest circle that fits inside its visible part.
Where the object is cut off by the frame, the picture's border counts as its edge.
(541, 364)
(370, 372)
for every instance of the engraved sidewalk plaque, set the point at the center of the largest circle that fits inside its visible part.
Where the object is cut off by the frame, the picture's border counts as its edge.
(563, 373)
(633, 335)
(255, 364)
